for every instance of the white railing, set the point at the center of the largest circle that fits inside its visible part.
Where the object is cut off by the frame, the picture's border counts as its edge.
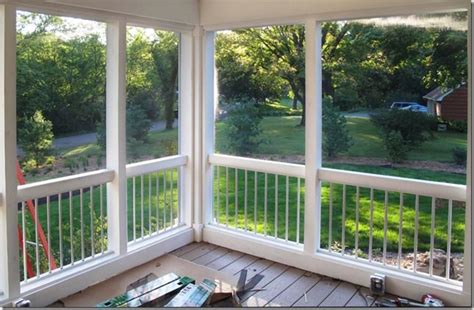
(61, 223)
(154, 197)
(403, 224)
(394, 216)
(259, 197)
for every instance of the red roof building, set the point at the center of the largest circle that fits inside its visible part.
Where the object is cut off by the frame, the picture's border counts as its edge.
(448, 104)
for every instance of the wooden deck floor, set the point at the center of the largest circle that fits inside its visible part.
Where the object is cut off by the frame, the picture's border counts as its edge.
(282, 285)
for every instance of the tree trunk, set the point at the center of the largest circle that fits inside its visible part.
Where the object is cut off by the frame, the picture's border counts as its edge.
(169, 111)
(295, 103)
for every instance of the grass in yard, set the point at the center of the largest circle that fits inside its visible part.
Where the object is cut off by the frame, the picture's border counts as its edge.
(271, 216)
(283, 136)
(367, 143)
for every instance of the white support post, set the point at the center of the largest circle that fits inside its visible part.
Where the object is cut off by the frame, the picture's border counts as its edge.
(116, 136)
(186, 125)
(313, 136)
(467, 280)
(198, 131)
(9, 251)
(209, 103)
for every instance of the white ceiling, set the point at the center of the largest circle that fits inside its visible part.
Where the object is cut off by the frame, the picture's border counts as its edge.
(182, 11)
(220, 12)
(229, 12)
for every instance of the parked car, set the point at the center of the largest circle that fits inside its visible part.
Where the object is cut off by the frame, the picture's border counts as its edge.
(416, 108)
(402, 105)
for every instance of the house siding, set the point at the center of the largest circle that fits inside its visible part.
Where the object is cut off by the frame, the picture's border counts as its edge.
(454, 106)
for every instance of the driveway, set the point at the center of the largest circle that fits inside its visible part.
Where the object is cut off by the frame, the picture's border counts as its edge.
(356, 115)
(71, 141)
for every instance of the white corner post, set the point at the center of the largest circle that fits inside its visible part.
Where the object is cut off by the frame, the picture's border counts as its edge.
(198, 121)
(186, 125)
(9, 250)
(116, 135)
(313, 133)
(467, 280)
(209, 103)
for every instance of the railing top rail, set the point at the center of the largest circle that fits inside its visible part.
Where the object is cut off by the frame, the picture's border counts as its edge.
(395, 184)
(266, 166)
(64, 184)
(155, 165)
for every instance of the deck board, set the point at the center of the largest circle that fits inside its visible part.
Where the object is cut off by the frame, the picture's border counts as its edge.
(318, 293)
(274, 288)
(239, 264)
(295, 291)
(340, 296)
(211, 256)
(361, 299)
(225, 260)
(199, 251)
(281, 286)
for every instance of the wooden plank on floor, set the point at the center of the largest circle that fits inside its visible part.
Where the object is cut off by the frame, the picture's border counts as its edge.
(340, 296)
(255, 268)
(211, 256)
(185, 249)
(361, 298)
(239, 264)
(274, 288)
(269, 274)
(295, 291)
(203, 249)
(318, 293)
(225, 260)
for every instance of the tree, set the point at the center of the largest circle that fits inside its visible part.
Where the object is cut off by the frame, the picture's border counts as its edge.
(280, 51)
(35, 137)
(165, 52)
(448, 61)
(239, 79)
(242, 128)
(142, 79)
(402, 130)
(336, 137)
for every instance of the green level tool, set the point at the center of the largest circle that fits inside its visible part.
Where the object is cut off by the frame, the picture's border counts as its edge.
(166, 285)
(194, 295)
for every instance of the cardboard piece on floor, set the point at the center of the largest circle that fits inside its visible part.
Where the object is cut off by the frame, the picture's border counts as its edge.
(160, 266)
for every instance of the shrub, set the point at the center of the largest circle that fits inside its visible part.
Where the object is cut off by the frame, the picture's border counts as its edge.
(402, 131)
(460, 126)
(35, 137)
(395, 147)
(242, 128)
(459, 156)
(336, 137)
(138, 125)
(71, 164)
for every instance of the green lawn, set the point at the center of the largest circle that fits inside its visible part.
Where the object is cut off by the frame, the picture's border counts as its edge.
(283, 136)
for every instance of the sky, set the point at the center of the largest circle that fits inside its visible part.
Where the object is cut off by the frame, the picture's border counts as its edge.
(76, 27)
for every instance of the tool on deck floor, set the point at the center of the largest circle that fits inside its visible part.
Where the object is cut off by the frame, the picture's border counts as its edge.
(229, 299)
(429, 301)
(156, 291)
(194, 295)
